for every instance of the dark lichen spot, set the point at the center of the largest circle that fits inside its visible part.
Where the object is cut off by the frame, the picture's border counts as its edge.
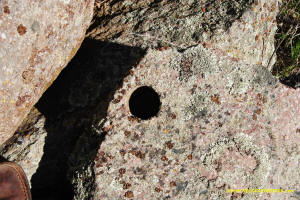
(186, 65)
(173, 184)
(140, 155)
(22, 99)
(181, 186)
(27, 75)
(169, 144)
(127, 133)
(227, 113)
(21, 29)
(122, 152)
(164, 158)
(178, 151)
(129, 194)
(122, 171)
(126, 186)
(100, 172)
(6, 10)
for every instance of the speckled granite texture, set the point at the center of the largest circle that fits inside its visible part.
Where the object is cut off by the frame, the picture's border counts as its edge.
(37, 40)
(224, 123)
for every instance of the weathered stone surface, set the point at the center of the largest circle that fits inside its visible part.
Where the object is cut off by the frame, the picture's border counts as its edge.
(244, 29)
(28, 143)
(223, 124)
(60, 134)
(37, 40)
(225, 121)
(178, 23)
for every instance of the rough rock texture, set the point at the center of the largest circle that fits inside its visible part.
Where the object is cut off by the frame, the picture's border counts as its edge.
(222, 124)
(37, 40)
(224, 121)
(243, 29)
(60, 134)
(31, 134)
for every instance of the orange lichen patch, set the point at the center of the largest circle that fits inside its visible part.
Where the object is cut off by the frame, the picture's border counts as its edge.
(21, 29)
(273, 7)
(203, 9)
(215, 99)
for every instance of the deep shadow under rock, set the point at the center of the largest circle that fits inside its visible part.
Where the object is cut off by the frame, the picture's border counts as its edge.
(76, 100)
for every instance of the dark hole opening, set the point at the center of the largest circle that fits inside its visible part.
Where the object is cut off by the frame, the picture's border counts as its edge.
(144, 103)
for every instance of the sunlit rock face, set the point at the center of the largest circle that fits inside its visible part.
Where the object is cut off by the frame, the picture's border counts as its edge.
(37, 40)
(222, 124)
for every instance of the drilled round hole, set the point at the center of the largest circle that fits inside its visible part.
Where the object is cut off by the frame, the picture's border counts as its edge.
(144, 102)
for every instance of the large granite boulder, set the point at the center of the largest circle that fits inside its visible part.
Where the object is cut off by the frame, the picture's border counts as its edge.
(37, 40)
(222, 124)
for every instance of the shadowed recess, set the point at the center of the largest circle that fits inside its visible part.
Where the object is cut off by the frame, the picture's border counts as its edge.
(74, 103)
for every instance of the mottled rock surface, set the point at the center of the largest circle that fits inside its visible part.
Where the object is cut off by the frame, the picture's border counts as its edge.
(224, 122)
(37, 40)
(244, 29)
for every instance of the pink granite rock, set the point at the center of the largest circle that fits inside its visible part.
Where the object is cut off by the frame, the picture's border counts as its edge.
(231, 125)
(37, 40)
